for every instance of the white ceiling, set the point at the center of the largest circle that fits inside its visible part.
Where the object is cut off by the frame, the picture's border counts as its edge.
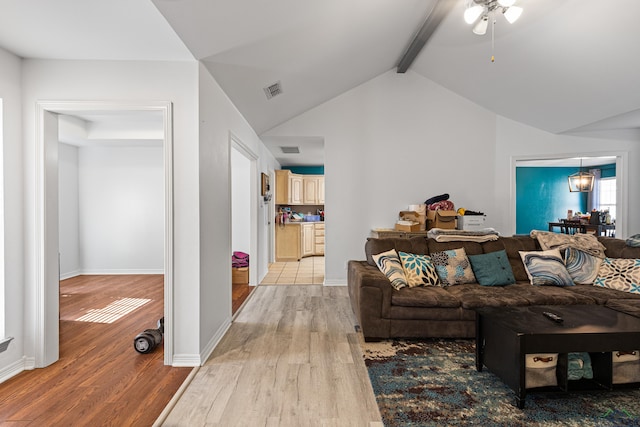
(566, 66)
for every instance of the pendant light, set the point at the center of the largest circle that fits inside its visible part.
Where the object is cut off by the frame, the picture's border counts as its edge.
(581, 182)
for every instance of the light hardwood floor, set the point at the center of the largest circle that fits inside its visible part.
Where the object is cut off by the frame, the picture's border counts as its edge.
(291, 358)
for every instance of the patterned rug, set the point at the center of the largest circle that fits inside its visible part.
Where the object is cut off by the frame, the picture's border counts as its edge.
(435, 383)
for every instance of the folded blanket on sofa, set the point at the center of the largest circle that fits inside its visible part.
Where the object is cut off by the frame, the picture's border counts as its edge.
(584, 242)
(579, 366)
(448, 235)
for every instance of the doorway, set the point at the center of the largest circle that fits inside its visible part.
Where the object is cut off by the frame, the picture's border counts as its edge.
(541, 193)
(244, 221)
(47, 237)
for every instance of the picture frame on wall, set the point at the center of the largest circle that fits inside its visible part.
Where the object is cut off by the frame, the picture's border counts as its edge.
(264, 187)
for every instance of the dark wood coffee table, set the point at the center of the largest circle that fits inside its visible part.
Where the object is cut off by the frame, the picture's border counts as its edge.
(504, 335)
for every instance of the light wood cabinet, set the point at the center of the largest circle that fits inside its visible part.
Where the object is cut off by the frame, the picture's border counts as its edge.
(288, 242)
(308, 239)
(282, 187)
(318, 231)
(294, 189)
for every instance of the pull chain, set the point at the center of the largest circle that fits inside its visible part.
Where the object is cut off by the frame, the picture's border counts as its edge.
(493, 31)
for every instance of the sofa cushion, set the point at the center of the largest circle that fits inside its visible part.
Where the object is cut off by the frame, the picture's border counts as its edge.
(618, 248)
(414, 245)
(582, 267)
(601, 295)
(492, 269)
(419, 270)
(620, 274)
(432, 296)
(453, 267)
(546, 268)
(389, 263)
(474, 295)
(551, 295)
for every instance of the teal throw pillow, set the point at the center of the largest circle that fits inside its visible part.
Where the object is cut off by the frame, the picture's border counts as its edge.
(492, 269)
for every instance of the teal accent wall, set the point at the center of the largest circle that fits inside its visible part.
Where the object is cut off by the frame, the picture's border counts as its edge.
(607, 171)
(543, 196)
(306, 170)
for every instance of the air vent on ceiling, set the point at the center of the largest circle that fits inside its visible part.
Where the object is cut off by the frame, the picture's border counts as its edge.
(273, 90)
(290, 150)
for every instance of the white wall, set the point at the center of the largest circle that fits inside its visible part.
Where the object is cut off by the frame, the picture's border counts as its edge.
(393, 141)
(11, 361)
(515, 139)
(240, 202)
(401, 138)
(124, 81)
(219, 120)
(68, 210)
(121, 210)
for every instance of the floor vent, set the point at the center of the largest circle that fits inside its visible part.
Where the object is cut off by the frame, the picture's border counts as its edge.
(273, 90)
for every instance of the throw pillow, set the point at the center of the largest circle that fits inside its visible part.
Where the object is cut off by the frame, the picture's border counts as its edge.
(389, 263)
(492, 269)
(582, 267)
(419, 270)
(453, 267)
(619, 273)
(546, 268)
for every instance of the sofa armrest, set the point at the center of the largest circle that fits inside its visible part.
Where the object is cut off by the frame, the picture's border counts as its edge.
(370, 295)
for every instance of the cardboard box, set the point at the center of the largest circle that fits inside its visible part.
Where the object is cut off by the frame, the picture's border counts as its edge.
(414, 216)
(471, 222)
(441, 219)
(407, 226)
(239, 275)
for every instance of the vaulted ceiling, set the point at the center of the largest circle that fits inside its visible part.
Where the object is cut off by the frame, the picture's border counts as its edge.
(564, 66)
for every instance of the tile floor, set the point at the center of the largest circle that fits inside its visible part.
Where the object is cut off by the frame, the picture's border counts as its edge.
(307, 271)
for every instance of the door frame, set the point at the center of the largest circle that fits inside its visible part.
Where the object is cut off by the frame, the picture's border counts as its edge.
(237, 144)
(622, 183)
(46, 346)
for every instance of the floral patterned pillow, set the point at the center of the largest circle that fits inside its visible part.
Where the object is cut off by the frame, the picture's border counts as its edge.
(619, 273)
(453, 267)
(389, 263)
(419, 270)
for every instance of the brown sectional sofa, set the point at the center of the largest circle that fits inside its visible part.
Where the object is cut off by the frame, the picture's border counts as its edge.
(422, 312)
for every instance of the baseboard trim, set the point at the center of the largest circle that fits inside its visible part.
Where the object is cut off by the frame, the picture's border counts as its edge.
(65, 276)
(13, 369)
(117, 272)
(186, 360)
(335, 282)
(214, 341)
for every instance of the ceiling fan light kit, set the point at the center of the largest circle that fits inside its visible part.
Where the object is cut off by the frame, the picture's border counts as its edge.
(478, 12)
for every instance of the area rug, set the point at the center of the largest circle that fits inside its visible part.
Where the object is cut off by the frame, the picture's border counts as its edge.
(435, 383)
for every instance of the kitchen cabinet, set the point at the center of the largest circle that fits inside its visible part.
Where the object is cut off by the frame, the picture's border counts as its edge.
(318, 238)
(288, 242)
(308, 239)
(294, 189)
(282, 187)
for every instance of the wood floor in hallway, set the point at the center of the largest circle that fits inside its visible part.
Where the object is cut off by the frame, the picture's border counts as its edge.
(290, 358)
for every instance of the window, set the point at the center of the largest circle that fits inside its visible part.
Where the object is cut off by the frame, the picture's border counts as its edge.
(608, 196)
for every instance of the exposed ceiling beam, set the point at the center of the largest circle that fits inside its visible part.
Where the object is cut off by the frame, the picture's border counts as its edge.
(440, 9)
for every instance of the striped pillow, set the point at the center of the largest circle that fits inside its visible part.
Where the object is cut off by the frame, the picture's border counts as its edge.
(389, 263)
